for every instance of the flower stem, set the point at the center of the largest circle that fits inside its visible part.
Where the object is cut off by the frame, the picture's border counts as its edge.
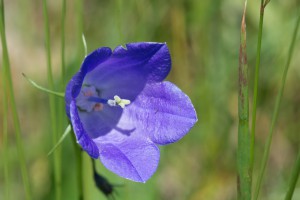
(80, 54)
(256, 76)
(79, 155)
(293, 179)
(275, 114)
(10, 92)
(57, 168)
(244, 140)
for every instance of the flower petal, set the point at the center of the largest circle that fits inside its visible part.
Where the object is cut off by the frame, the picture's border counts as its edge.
(162, 111)
(128, 70)
(98, 124)
(81, 136)
(135, 159)
(90, 62)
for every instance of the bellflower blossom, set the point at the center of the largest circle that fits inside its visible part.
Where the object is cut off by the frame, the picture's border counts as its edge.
(121, 109)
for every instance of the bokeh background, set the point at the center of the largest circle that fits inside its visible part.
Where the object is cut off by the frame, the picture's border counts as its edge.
(203, 37)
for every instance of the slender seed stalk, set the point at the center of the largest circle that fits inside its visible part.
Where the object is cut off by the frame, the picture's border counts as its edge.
(275, 114)
(294, 178)
(255, 88)
(10, 92)
(244, 139)
(57, 169)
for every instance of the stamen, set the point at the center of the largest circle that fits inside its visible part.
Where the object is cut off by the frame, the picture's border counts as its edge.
(121, 102)
(117, 101)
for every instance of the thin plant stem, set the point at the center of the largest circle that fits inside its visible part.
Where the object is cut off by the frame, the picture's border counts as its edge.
(66, 132)
(57, 169)
(60, 105)
(5, 142)
(294, 178)
(275, 114)
(84, 45)
(63, 22)
(5, 136)
(119, 19)
(80, 54)
(9, 84)
(34, 84)
(79, 22)
(244, 140)
(79, 155)
(256, 77)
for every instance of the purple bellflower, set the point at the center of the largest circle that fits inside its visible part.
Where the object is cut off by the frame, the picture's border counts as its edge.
(121, 109)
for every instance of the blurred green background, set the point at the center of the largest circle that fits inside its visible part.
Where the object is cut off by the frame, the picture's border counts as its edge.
(203, 37)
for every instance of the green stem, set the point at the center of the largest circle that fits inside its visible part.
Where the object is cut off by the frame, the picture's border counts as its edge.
(63, 22)
(119, 19)
(80, 54)
(260, 30)
(34, 84)
(244, 140)
(66, 132)
(79, 19)
(5, 138)
(57, 169)
(79, 155)
(8, 82)
(294, 178)
(60, 105)
(275, 114)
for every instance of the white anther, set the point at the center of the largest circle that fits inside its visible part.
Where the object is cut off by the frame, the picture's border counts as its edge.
(118, 101)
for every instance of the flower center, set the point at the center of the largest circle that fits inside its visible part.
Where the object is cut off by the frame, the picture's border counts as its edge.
(89, 100)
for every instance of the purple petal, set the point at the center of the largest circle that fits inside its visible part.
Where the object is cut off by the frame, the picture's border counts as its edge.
(100, 123)
(162, 112)
(135, 159)
(128, 70)
(90, 62)
(81, 136)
